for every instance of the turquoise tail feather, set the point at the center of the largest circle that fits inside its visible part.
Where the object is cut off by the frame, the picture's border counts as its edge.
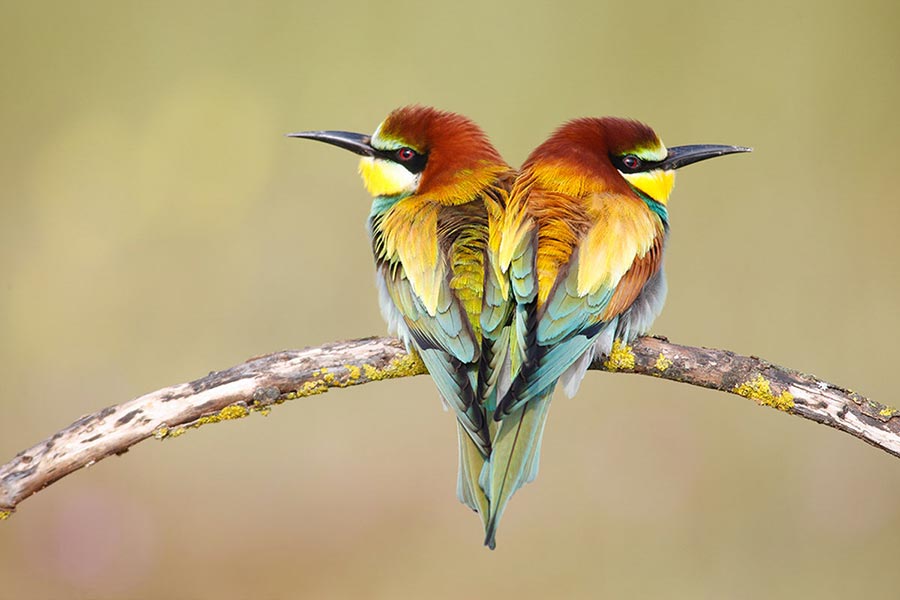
(468, 487)
(515, 458)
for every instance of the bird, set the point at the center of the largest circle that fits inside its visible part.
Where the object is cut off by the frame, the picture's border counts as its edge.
(582, 246)
(440, 188)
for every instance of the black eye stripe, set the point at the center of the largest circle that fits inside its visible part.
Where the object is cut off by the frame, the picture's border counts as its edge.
(414, 164)
(629, 163)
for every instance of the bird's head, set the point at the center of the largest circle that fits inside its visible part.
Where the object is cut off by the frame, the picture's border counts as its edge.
(616, 155)
(421, 150)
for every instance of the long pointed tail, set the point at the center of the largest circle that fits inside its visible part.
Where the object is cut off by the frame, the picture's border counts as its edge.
(515, 458)
(471, 463)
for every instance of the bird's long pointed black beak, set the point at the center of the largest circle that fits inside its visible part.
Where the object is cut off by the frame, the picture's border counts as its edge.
(681, 156)
(354, 142)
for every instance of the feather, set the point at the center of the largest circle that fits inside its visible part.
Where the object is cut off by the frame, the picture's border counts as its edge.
(438, 288)
(579, 249)
(514, 460)
(471, 463)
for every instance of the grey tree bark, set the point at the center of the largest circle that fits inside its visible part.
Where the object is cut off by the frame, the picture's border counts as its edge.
(260, 383)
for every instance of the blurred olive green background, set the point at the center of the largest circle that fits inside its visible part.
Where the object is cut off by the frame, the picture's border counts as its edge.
(157, 225)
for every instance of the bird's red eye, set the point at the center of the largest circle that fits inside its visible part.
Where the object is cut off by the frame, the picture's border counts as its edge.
(631, 161)
(405, 154)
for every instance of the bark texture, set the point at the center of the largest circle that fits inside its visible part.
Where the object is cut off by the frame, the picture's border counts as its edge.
(262, 382)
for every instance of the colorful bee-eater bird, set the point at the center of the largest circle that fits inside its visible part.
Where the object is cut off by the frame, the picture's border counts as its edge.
(440, 189)
(582, 247)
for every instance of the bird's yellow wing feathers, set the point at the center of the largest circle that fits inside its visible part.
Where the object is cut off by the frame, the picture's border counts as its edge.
(410, 235)
(623, 231)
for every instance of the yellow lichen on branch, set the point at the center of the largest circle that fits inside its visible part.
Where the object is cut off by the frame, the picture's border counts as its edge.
(262, 382)
(404, 366)
(662, 363)
(325, 379)
(889, 411)
(760, 389)
(229, 413)
(621, 358)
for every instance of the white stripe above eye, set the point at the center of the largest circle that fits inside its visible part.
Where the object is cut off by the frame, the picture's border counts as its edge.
(652, 154)
(384, 144)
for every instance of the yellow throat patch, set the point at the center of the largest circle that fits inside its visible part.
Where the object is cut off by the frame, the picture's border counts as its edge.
(657, 183)
(386, 178)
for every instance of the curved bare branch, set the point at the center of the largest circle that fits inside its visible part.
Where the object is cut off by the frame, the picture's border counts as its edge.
(260, 383)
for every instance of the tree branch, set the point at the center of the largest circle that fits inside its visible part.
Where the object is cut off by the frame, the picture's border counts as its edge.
(262, 382)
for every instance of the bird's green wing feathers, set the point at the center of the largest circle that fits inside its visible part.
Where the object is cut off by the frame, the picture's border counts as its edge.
(601, 278)
(606, 272)
(449, 348)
